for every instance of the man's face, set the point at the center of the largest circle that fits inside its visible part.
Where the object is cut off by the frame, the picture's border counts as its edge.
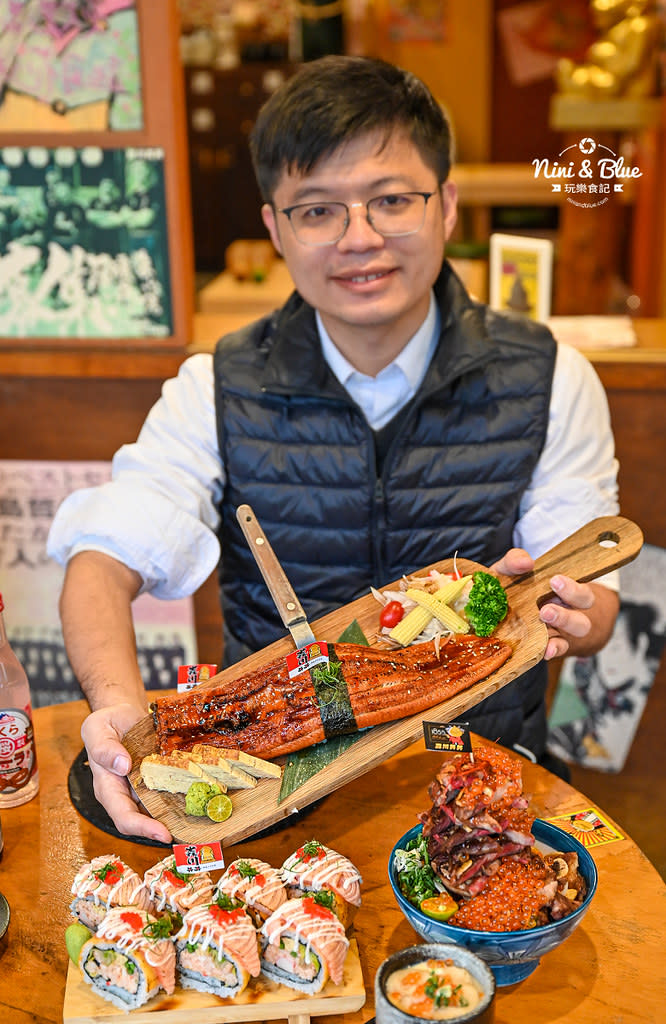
(372, 292)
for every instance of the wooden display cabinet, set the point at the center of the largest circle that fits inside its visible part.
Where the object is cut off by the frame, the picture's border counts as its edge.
(221, 109)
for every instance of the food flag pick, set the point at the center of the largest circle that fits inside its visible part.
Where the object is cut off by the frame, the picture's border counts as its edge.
(194, 857)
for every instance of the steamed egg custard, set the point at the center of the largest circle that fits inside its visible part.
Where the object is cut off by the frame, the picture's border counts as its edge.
(433, 989)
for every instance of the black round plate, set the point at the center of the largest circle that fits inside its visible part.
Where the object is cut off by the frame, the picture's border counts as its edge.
(4, 915)
(80, 786)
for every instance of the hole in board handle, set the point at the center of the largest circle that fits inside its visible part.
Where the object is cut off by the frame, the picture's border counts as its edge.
(608, 539)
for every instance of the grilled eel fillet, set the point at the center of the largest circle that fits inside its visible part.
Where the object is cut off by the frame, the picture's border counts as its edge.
(266, 713)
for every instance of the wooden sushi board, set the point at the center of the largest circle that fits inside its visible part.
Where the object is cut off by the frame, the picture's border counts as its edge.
(261, 1000)
(583, 556)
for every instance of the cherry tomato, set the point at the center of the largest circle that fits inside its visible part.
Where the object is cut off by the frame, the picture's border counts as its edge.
(441, 907)
(391, 614)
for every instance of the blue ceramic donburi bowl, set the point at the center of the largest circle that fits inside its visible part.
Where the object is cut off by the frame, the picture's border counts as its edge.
(512, 956)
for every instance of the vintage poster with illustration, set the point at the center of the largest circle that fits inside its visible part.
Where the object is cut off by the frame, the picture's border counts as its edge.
(521, 275)
(599, 700)
(83, 243)
(69, 66)
(30, 582)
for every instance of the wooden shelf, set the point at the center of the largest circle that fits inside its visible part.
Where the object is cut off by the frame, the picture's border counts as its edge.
(509, 185)
(101, 362)
(571, 113)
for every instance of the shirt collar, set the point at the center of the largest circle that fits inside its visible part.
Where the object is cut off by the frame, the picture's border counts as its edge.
(412, 360)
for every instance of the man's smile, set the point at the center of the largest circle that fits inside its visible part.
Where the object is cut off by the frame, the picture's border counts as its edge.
(362, 278)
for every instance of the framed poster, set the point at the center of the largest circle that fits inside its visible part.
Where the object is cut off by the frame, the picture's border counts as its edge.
(521, 271)
(30, 493)
(95, 224)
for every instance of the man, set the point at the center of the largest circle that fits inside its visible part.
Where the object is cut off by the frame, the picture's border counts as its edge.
(379, 421)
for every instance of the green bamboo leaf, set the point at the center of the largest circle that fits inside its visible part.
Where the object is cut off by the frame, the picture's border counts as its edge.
(353, 634)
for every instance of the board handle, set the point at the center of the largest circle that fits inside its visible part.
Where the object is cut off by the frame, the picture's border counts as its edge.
(600, 546)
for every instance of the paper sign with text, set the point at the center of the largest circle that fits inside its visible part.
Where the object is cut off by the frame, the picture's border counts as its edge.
(452, 737)
(307, 657)
(191, 858)
(588, 826)
(190, 676)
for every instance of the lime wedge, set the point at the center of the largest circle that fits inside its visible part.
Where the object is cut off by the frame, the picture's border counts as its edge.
(440, 907)
(75, 936)
(219, 808)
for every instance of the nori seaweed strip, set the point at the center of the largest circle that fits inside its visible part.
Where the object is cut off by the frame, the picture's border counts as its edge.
(337, 716)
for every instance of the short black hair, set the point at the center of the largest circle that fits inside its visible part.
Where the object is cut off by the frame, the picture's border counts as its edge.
(336, 98)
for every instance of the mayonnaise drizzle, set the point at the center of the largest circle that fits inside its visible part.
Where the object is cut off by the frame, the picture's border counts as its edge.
(129, 890)
(271, 894)
(235, 938)
(122, 933)
(333, 871)
(195, 890)
(323, 934)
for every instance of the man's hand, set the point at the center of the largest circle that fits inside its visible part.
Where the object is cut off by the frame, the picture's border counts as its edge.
(580, 617)
(110, 762)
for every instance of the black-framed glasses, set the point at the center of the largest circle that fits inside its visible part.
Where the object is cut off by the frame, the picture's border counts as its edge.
(324, 223)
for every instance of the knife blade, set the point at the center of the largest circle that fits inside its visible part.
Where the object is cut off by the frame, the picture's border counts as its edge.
(282, 592)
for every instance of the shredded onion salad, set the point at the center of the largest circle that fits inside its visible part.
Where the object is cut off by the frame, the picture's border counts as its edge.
(432, 583)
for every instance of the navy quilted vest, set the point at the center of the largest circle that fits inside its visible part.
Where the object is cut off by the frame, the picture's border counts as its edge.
(298, 450)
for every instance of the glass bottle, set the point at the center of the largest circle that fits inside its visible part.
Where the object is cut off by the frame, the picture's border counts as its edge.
(19, 776)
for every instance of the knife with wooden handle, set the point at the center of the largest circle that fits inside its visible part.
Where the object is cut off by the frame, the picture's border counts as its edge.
(281, 590)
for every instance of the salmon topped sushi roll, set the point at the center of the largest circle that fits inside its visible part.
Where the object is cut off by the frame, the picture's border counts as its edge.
(303, 944)
(254, 883)
(129, 960)
(314, 867)
(176, 891)
(217, 948)
(103, 883)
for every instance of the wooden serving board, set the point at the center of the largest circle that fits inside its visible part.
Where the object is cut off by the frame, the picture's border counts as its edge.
(262, 1000)
(583, 556)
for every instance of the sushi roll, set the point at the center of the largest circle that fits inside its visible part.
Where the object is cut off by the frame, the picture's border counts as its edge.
(129, 960)
(103, 883)
(314, 867)
(254, 883)
(173, 890)
(217, 949)
(303, 944)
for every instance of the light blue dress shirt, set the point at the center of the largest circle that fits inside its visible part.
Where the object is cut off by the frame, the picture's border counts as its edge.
(383, 396)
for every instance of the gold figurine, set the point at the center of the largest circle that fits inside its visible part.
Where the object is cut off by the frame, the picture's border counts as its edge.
(623, 60)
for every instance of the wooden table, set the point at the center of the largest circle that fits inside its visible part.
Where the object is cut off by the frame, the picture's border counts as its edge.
(611, 969)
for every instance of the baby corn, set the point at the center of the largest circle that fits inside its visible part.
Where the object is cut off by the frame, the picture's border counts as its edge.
(408, 628)
(429, 606)
(440, 610)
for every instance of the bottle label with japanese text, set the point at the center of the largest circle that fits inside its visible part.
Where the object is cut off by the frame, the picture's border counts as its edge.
(17, 750)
